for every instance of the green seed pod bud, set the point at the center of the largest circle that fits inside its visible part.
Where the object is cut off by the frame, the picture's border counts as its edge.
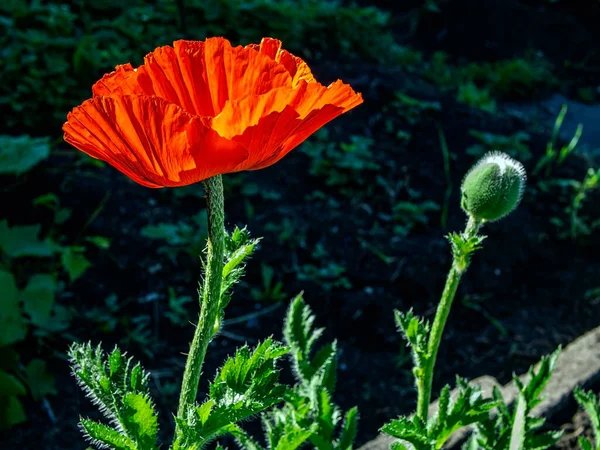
(493, 187)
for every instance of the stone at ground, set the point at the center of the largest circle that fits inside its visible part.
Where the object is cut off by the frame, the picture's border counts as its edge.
(577, 365)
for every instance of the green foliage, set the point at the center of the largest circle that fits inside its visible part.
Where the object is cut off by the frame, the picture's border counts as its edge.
(13, 325)
(272, 291)
(479, 84)
(119, 388)
(591, 404)
(516, 427)
(409, 215)
(341, 164)
(574, 193)
(467, 408)
(463, 247)
(246, 385)
(517, 78)
(20, 154)
(471, 94)
(239, 246)
(416, 333)
(177, 313)
(134, 330)
(11, 386)
(308, 414)
(515, 145)
(65, 47)
(554, 155)
(350, 29)
(74, 262)
(180, 237)
(23, 241)
(404, 111)
(328, 275)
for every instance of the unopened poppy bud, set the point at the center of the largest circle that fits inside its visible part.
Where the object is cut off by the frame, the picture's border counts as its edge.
(493, 187)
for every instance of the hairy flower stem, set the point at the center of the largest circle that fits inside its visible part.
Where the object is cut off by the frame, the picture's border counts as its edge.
(211, 294)
(425, 380)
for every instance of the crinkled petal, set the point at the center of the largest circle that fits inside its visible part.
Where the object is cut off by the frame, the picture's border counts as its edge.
(304, 98)
(154, 142)
(111, 82)
(271, 125)
(200, 76)
(297, 68)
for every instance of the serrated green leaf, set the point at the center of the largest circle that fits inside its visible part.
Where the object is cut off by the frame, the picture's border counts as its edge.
(514, 427)
(38, 298)
(245, 441)
(300, 335)
(41, 382)
(294, 439)
(349, 430)
(246, 385)
(410, 432)
(542, 441)
(21, 153)
(121, 396)
(115, 362)
(416, 332)
(139, 419)
(590, 402)
(74, 262)
(517, 435)
(102, 435)
(10, 385)
(20, 241)
(136, 380)
(13, 327)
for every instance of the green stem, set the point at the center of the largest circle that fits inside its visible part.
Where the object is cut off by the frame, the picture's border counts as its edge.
(211, 294)
(425, 381)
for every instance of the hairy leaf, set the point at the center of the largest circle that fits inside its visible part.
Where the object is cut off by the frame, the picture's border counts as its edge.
(102, 436)
(514, 427)
(246, 385)
(591, 404)
(416, 332)
(121, 393)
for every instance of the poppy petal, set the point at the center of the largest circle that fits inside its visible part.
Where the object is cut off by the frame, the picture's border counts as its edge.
(306, 97)
(111, 82)
(152, 141)
(297, 68)
(200, 76)
(271, 125)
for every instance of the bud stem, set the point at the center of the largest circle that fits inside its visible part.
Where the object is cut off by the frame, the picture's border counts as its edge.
(425, 381)
(209, 303)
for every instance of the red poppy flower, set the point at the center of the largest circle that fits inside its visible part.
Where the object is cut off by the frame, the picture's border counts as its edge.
(200, 109)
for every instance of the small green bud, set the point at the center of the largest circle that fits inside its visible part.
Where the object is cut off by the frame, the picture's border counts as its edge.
(493, 187)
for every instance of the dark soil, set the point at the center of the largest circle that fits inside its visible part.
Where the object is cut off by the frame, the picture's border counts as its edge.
(530, 281)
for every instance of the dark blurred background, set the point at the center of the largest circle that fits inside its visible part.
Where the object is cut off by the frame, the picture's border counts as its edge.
(355, 217)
